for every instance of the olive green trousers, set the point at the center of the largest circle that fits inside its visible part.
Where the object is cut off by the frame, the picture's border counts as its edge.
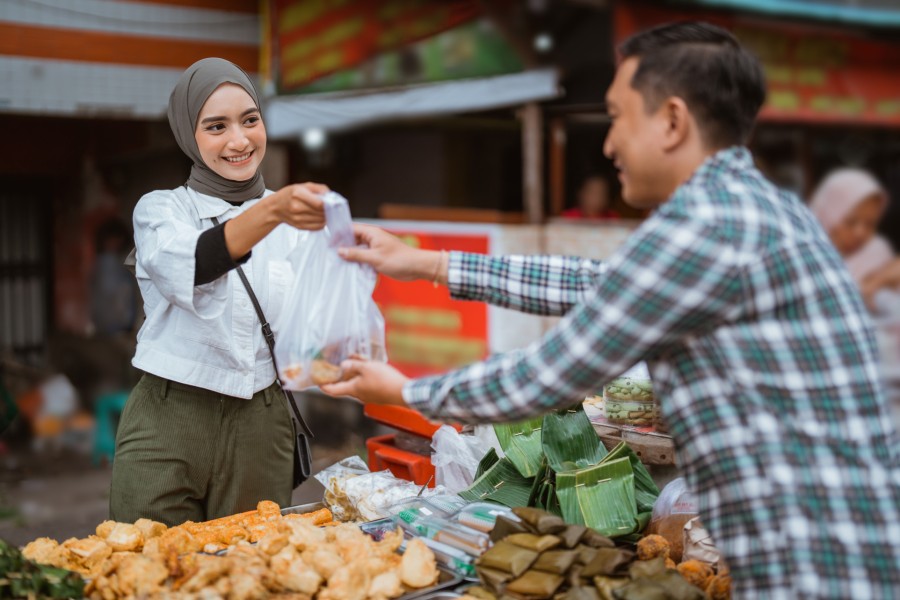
(188, 454)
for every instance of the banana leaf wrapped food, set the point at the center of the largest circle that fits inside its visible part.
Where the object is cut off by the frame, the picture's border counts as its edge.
(540, 520)
(538, 543)
(556, 561)
(609, 562)
(536, 583)
(504, 527)
(508, 557)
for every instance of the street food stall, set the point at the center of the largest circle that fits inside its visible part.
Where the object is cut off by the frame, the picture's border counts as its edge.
(557, 506)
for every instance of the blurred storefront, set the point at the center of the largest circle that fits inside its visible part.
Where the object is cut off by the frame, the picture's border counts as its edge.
(833, 94)
(83, 104)
(463, 111)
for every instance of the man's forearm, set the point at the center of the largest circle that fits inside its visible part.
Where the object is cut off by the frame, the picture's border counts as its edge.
(542, 285)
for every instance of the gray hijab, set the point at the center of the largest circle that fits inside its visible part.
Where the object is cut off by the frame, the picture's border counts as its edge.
(194, 86)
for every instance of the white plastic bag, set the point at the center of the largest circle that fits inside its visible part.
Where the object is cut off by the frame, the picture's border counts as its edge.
(671, 512)
(455, 458)
(330, 314)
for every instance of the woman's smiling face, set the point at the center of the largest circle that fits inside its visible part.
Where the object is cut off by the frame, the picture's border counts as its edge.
(230, 133)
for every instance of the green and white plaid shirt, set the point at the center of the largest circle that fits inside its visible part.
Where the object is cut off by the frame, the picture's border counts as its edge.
(764, 360)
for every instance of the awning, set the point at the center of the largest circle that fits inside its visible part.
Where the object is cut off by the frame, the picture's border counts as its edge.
(290, 116)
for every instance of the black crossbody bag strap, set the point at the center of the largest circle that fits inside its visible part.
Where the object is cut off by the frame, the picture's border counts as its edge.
(270, 342)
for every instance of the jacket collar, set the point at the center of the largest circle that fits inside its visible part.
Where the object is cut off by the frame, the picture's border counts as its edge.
(210, 206)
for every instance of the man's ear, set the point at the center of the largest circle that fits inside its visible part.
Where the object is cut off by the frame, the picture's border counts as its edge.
(678, 122)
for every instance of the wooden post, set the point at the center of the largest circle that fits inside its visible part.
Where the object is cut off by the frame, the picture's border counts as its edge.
(532, 162)
(557, 166)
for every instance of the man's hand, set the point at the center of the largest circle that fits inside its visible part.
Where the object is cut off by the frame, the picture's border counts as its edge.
(370, 383)
(388, 255)
(299, 205)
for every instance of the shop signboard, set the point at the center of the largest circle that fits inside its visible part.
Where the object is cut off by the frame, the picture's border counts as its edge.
(426, 331)
(815, 73)
(311, 39)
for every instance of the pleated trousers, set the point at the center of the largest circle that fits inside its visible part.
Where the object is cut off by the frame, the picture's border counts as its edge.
(185, 453)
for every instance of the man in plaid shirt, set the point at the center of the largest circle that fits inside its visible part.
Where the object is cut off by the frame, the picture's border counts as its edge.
(754, 332)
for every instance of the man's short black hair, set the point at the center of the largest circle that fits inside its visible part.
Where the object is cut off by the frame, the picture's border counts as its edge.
(720, 81)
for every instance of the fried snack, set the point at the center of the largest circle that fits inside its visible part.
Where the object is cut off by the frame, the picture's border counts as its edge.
(299, 560)
(350, 582)
(87, 555)
(40, 550)
(719, 587)
(125, 538)
(268, 510)
(418, 567)
(179, 541)
(322, 372)
(670, 564)
(319, 517)
(696, 573)
(273, 543)
(651, 546)
(385, 585)
(303, 535)
(294, 558)
(291, 574)
(104, 528)
(140, 575)
(148, 528)
(292, 372)
(325, 561)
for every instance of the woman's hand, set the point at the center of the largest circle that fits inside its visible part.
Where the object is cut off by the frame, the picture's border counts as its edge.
(369, 382)
(299, 205)
(388, 255)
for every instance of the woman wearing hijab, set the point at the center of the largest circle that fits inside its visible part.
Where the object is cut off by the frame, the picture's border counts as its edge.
(207, 432)
(850, 203)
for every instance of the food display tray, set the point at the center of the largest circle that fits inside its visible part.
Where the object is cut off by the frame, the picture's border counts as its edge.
(446, 581)
(302, 509)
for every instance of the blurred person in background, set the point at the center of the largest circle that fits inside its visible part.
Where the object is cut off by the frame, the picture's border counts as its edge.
(756, 337)
(113, 290)
(208, 410)
(593, 200)
(850, 203)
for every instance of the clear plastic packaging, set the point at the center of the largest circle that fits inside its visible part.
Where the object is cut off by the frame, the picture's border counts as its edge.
(448, 503)
(334, 480)
(355, 494)
(630, 401)
(372, 493)
(410, 511)
(452, 558)
(444, 530)
(331, 315)
(671, 511)
(456, 457)
(482, 516)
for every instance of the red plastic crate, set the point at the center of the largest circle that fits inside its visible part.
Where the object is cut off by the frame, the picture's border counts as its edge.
(404, 419)
(383, 454)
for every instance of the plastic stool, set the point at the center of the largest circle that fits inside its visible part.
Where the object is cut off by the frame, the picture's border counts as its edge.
(108, 409)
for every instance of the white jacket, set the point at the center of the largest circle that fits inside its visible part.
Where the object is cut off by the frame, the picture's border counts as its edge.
(207, 336)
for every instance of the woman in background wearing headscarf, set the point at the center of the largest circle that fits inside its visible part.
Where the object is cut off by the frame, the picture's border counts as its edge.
(850, 203)
(206, 432)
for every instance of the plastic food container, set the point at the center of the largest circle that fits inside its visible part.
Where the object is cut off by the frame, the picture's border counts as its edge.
(629, 401)
(412, 509)
(482, 516)
(444, 530)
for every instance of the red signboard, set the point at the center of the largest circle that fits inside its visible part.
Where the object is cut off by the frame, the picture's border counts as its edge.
(313, 38)
(814, 73)
(426, 331)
